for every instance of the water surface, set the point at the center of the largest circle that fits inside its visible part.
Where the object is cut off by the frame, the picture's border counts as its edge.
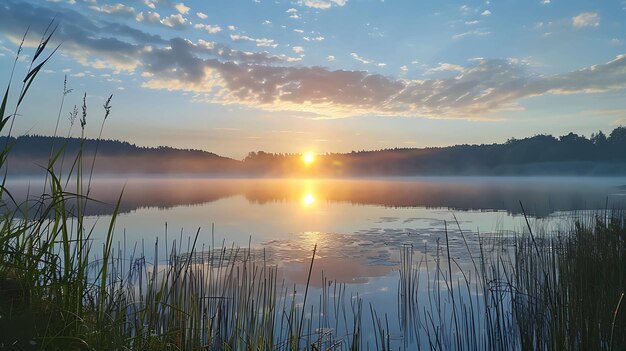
(359, 226)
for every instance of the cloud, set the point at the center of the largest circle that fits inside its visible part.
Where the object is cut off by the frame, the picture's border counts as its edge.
(586, 19)
(218, 74)
(330, 58)
(262, 42)
(443, 67)
(120, 49)
(181, 8)
(118, 8)
(148, 16)
(319, 38)
(298, 49)
(487, 86)
(209, 28)
(360, 59)
(175, 21)
(150, 3)
(322, 4)
(293, 13)
(202, 15)
(471, 33)
(486, 13)
(172, 21)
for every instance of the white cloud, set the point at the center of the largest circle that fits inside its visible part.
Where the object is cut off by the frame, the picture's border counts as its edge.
(175, 21)
(322, 4)
(209, 28)
(231, 27)
(148, 16)
(443, 67)
(181, 8)
(472, 33)
(150, 3)
(114, 9)
(298, 30)
(360, 59)
(202, 15)
(320, 38)
(545, 2)
(404, 68)
(486, 13)
(586, 19)
(267, 22)
(330, 58)
(469, 23)
(298, 49)
(262, 42)
(293, 13)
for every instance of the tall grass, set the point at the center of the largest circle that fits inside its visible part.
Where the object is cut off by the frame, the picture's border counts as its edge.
(541, 291)
(62, 289)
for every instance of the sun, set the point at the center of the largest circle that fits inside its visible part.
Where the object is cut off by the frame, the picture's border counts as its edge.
(308, 158)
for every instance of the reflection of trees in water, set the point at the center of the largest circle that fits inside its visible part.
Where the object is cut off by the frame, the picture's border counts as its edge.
(541, 196)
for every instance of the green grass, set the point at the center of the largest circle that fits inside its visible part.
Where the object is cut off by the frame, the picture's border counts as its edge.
(60, 289)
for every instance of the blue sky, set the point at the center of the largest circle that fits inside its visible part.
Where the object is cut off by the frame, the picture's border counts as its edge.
(325, 75)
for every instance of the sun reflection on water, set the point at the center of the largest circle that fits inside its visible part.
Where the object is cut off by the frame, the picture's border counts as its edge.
(308, 199)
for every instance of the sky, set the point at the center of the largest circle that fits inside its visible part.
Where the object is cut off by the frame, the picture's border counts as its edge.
(234, 76)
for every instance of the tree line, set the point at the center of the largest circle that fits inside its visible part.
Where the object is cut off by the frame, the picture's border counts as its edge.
(540, 154)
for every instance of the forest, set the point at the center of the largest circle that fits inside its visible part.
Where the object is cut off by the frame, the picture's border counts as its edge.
(570, 154)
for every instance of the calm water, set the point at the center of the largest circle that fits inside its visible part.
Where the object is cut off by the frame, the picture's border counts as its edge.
(359, 225)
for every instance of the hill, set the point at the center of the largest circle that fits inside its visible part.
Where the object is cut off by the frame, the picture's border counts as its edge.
(30, 153)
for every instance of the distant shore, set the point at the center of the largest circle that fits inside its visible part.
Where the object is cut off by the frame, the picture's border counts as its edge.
(541, 155)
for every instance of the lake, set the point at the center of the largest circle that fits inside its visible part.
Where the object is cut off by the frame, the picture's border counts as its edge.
(360, 227)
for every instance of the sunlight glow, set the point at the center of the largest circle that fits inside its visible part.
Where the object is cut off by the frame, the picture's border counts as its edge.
(308, 158)
(308, 199)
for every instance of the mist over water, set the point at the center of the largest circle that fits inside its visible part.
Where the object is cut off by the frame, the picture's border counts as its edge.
(541, 196)
(286, 215)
